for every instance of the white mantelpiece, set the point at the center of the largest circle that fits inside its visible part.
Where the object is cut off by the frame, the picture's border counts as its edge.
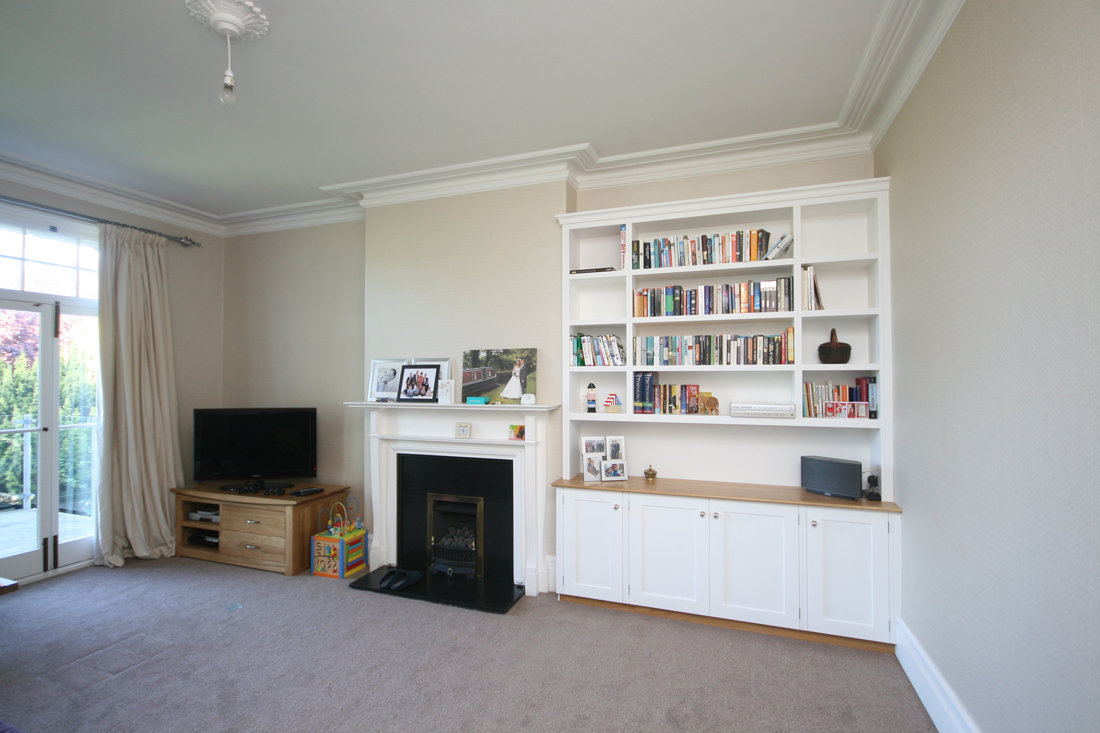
(429, 429)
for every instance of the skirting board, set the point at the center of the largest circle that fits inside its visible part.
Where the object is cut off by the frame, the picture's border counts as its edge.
(943, 706)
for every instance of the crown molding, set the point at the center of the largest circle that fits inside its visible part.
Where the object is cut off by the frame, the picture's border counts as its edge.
(943, 15)
(556, 164)
(724, 156)
(893, 26)
(293, 216)
(102, 193)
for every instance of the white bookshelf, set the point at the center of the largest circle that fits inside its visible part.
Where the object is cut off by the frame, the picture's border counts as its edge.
(842, 230)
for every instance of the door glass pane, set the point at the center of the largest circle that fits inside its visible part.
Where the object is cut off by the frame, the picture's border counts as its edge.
(77, 458)
(19, 439)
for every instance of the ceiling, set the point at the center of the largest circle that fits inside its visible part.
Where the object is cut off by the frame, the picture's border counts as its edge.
(384, 100)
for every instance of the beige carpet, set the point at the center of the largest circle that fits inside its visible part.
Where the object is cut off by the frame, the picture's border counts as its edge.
(151, 647)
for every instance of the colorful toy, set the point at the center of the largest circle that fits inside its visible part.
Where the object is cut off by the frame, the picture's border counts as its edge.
(612, 403)
(342, 549)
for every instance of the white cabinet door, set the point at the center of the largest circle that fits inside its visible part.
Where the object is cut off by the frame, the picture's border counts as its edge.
(754, 562)
(592, 538)
(669, 552)
(847, 565)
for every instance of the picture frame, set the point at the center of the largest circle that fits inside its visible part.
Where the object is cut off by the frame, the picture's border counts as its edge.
(517, 432)
(444, 363)
(463, 430)
(446, 391)
(591, 464)
(419, 383)
(613, 471)
(384, 379)
(616, 448)
(594, 444)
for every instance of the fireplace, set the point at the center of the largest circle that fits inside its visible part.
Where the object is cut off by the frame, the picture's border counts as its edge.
(456, 535)
(454, 529)
(395, 430)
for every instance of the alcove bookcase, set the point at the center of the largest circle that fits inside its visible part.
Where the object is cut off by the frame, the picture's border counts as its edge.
(840, 230)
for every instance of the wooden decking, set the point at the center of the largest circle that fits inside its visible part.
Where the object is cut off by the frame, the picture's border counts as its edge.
(19, 529)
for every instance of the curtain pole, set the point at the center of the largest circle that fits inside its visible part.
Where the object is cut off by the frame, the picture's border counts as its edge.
(185, 241)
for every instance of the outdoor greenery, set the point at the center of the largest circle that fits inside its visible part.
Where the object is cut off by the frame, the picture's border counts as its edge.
(19, 408)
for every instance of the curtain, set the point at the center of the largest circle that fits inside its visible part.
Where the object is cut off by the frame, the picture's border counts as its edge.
(139, 454)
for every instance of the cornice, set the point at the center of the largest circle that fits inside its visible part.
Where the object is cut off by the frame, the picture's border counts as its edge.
(943, 15)
(102, 193)
(293, 216)
(557, 164)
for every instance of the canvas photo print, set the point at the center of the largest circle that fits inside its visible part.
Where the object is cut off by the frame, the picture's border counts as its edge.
(501, 375)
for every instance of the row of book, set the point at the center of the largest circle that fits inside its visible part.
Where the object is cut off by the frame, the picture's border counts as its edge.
(653, 398)
(825, 399)
(752, 245)
(599, 350)
(714, 350)
(767, 296)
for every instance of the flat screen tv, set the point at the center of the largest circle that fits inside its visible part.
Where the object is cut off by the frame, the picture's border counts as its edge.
(255, 443)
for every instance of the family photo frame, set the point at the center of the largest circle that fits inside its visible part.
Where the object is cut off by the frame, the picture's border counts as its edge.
(418, 383)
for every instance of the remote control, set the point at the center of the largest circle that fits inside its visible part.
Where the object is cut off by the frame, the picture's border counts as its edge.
(307, 492)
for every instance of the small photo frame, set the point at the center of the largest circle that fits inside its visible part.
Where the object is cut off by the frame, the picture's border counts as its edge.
(516, 432)
(385, 375)
(596, 444)
(419, 383)
(463, 430)
(616, 448)
(613, 471)
(590, 466)
(446, 391)
(444, 364)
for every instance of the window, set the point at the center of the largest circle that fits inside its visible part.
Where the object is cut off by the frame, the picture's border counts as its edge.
(52, 259)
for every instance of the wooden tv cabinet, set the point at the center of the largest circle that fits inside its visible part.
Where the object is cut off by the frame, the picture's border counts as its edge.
(255, 531)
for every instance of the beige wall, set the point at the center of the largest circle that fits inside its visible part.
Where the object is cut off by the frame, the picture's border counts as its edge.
(194, 298)
(478, 271)
(995, 210)
(294, 334)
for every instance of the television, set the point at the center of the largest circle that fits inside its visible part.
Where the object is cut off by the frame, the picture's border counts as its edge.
(255, 443)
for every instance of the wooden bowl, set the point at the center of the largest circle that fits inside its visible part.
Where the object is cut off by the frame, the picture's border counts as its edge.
(834, 352)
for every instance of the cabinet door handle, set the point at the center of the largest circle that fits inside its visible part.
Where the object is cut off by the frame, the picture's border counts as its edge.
(716, 515)
(702, 514)
(252, 547)
(252, 521)
(615, 507)
(813, 523)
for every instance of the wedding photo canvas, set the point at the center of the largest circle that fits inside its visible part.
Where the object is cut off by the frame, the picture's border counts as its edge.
(501, 375)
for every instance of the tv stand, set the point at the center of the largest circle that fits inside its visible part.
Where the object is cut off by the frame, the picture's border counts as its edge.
(253, 530)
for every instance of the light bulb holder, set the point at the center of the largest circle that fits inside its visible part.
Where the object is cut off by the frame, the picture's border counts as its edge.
(233, 18)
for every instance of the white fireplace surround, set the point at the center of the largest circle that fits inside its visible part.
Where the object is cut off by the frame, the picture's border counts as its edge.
(394, 429)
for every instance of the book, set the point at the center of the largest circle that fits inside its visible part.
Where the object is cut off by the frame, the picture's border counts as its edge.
(635, 255)
(781, 245)
(591, 269)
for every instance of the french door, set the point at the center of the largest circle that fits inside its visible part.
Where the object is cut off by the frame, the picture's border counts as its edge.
(48, 451)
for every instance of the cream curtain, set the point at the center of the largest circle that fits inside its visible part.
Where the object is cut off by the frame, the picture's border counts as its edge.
(140, 457)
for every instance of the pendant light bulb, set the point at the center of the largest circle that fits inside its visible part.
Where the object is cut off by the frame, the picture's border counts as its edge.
(227, 95)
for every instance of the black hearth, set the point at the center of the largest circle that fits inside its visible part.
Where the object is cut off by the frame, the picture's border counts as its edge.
(454, 527)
